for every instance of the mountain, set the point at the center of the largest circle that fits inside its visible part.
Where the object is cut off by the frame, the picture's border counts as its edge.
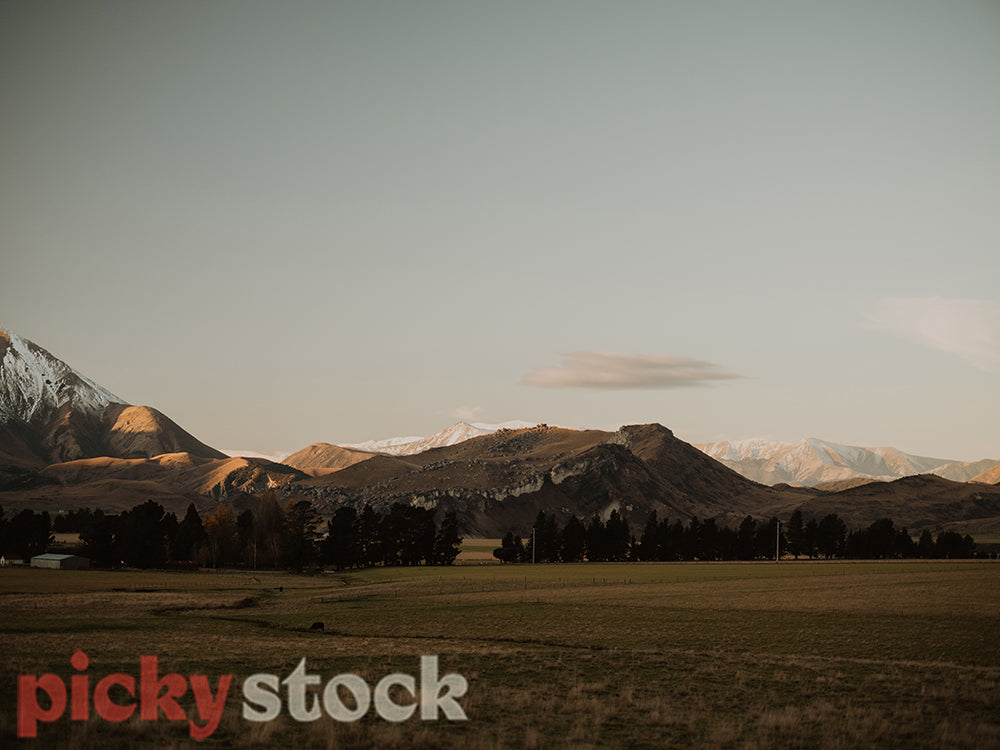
(116, 484)
(67, 442)
(323, 458)
(50, 413)
(811, 462)
(501, 480)
(990, 476)
(924, 501)
(456, 433)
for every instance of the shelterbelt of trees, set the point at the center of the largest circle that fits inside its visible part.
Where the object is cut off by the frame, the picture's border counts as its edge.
(271, 535)
(600, 541)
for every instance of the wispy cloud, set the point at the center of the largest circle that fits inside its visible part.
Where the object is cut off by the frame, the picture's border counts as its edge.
(967, 328)
(600, 370)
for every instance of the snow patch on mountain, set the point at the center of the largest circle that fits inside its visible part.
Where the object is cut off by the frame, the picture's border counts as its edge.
(456, 433)
(812, 461)
(34, 385)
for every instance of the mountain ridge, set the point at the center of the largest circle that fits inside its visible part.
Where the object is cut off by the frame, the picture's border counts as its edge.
(812, 461)
(67, 442)
(502, 479)
(51, 413)
(455, 433)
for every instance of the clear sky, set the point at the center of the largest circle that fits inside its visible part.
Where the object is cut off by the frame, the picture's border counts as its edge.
(282, 223)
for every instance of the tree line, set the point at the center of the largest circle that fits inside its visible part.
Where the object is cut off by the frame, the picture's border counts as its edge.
(829, 538)
(272, 534)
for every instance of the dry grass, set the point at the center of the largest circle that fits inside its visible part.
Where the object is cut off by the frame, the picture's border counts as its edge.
(567, 656)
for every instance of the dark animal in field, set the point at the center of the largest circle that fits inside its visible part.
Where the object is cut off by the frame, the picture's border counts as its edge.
(316, 626)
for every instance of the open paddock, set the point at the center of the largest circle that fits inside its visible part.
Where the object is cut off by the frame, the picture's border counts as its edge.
(806, 654)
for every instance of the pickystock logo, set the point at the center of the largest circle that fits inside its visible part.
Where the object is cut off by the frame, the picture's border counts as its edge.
(117, 697)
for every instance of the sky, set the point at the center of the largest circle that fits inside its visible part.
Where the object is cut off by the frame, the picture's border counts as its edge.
(283, 223)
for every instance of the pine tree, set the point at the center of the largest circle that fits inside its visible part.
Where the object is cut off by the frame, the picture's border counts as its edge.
(648, 540)
(301, 532)
(447, 542)
(340, 547)
(573, 541)
(796, 534)
(190, 535)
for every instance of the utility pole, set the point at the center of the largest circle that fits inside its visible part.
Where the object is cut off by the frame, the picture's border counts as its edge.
(532, 545)
(777, 542)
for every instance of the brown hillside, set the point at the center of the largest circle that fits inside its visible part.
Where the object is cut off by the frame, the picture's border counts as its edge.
(919, 502)
(173, 479)
(844, 484)
(990, 476)
(323, 458)
(499, 481)
(141, 431)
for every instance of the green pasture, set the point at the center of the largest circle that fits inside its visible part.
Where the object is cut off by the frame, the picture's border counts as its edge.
(749, 655)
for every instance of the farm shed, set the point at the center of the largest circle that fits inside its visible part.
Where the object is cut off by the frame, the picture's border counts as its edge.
(60, 562)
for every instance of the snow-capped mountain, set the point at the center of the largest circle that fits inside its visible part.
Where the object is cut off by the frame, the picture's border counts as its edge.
(50, 413)
(456, 433)
(812, 461)
(34, 385)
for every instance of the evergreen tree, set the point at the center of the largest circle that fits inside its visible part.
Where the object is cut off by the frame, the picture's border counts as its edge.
(414, 531)
(597, 547)
(904, 546)
(746, 548)
(141, 539)
(573, 541)
(925, 547)
(98, 538)
(268, 531)
(447, 542)
(728, 544)
(246, 539)
(543, 545)
(368, 535)
(951, 545)
(617, 538)
(649, 540)
(831, 536)
(766, 538)
(29, 533)
(796, 534)
(301, 532)
(708, 547)
(340, 547)
(810, 539)
(189, 537)
(507, 552)
(672, 541)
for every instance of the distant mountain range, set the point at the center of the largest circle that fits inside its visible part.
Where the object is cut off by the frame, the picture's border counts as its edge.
(66, 442)
(812, 462)
(808, 463)
(500, 481)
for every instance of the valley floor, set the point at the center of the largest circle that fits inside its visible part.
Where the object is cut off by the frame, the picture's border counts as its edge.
(825, 655)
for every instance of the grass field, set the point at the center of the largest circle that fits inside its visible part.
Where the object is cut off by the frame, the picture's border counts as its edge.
(752, 655)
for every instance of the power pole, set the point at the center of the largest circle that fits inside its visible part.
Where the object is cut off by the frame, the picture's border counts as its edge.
(777, 542)
(532, 545)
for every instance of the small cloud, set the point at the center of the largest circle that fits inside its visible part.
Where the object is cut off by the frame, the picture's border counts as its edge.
(621, 371)
(967, 328)
(466, 413)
